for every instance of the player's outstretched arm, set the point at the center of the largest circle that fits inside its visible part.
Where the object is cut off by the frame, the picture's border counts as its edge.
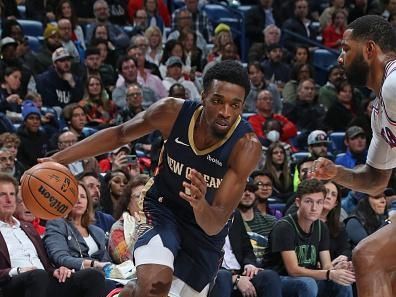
(159, 116)
(365, 178)
(243, 160)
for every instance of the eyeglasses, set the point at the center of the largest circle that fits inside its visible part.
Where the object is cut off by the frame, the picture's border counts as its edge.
(264, 185)
(134, 94)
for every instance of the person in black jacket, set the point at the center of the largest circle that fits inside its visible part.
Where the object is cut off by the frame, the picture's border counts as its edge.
(239, 275)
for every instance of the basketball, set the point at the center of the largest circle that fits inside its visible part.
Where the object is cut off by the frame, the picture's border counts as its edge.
(49, 190)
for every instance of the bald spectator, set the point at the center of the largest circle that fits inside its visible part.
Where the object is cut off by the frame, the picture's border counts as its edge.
(178, 91)
(65, 35)
(271, 35)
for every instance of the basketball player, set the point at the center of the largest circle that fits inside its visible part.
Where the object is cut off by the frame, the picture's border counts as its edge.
(369, 58)
(208, 155)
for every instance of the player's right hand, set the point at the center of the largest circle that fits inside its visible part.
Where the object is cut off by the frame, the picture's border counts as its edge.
(342, 277)
(322, 169)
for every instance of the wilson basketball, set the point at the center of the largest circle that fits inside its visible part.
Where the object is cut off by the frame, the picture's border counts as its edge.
(49, 190)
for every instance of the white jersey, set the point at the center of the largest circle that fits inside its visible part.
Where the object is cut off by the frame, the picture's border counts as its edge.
(382, 150)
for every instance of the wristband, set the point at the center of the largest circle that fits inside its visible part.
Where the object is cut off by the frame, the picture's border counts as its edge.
(328, 274)
(92, 263)
(236, 282)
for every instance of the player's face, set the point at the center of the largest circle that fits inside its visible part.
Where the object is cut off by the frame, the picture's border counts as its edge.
(223, 103)
(310, 206)
(7, 200)
(264, 187)
(352, 59)
(331, 197)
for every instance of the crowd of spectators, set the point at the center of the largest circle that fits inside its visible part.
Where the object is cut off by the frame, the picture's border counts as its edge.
(101, 62)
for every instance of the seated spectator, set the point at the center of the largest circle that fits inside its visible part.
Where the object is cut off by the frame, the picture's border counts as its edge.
(10, 99)
(194, 55)
(223, 36)
(114, 184)
(356, 143)
(74, 48)
(107, 49)
(273, 132)
(43, 58)
(299, 73)
(277, 165)
(264, 106)
(163, 11)
(301, 55)
(239, 273)
(25, 268)
(140, 23)
(75, 117)
(154, 19)
(101, 111)
(178, 91)
(318, 143)
(106, 69)
(257, 225)
(340, 248)
(228, 52)
(368, 217)
(58, 86)
(257, 84)
(102, 14)
(295, 235)
(258, 50)
(328, 93)
(174, 75)
(154, 50)
(9, 165)
(264, 183)
(306, 113)
(333, 32)
(275, 70)
(123, 234)
(344, 110)
(172, 48)
(11, 142)
(134, 99)
(325, 18)
(34, 142)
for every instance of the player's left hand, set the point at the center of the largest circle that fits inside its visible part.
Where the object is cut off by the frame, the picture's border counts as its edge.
(196, 190)
(323, 169)
(250, 270)
(62, 273)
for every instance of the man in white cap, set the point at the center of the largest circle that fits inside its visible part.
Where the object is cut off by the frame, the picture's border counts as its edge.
(318, 142)
(58, 86)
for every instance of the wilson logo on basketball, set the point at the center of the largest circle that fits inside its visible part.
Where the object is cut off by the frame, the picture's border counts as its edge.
(53, 201)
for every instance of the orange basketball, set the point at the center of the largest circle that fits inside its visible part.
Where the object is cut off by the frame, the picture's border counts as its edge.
(49, 190)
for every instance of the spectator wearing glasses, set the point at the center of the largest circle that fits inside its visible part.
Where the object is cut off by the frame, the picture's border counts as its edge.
(9, 165)
(356, 143)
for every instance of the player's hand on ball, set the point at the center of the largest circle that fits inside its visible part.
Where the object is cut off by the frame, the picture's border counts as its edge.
(196, 190)
(323, 169)
(48, 159)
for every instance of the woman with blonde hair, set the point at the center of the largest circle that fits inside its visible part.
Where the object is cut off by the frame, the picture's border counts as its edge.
(154, 51)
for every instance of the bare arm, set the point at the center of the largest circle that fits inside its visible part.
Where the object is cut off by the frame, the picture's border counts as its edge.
(159, 116)
(365, 179)
(243, 160)
(293, 269)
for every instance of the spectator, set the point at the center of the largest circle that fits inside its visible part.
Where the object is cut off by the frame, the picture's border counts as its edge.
(299, 73)
(305, 112)
(389, 9)
(265, 112)
(10, 99)
(328, 93)
(277, 165)
(115, 182)
(58, 86)
(116, 159)
(229, 52)
(296, 234)
(11, 142)
(172, 48)
(174, 75)
(25, 268)
(263, 182)
(103, 220)
(127, 68)
(275, 70)
(200, 21)
(363, 118)
(258, 50)
(65, 10)
(106, 69)
(332, 34)
(257, 84)
(134, 98)
(325, 18)
(76, 119)
(340, 248)
(178, 91)
(301, 55)
(258, 18)
(118, 12)
(363, 7)
(163, 11)
(192, 52)
(299, 24)
(9, 165)
(368, 217)
(318, 143)
(123, 233)
(43, 58)
(239, 274)
(65, 36)
(34, 142)
(91, 64)
(344, 110)
(101, 111)
(102, 33)
(153, 17)
(102, 14)
(356, 143)
(223, 36)
(154, 50)
(140, 22)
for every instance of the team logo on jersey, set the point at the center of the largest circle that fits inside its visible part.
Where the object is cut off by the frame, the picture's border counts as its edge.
(388, 136)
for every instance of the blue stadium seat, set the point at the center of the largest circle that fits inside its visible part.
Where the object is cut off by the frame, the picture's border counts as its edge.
(337, 139)
(244, 8)
(22, 11)
(296, 157)
(216, 11)
(322, 60)
(32, 28)
(128, 30)
(34, 43)
(88, 131)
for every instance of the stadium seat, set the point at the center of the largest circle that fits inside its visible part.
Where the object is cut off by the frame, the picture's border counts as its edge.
(296, 157)
(128, 30)
(244, 8)
(32, 28)
(22, 11)
(337, 139)
(34, 43)
(322, 60)
(216, 11)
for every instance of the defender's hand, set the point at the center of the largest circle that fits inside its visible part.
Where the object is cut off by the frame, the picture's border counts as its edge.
(323, 169)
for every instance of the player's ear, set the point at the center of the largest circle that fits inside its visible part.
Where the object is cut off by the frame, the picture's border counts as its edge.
(370, 49)
(203, 98)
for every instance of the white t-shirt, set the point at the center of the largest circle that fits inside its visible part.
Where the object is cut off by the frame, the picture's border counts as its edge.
(382, 150)
(92, 245)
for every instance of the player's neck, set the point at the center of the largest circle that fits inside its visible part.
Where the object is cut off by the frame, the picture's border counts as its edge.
(377, 72)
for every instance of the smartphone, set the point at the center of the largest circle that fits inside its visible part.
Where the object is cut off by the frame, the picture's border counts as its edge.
(131, 159)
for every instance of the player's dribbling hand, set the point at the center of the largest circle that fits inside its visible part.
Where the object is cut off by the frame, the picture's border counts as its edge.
(322, 169)
(196, 190)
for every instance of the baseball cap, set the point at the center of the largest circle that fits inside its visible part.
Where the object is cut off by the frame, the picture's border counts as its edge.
(29, 108)
(50, 30)
(8, 41)
(60, 53)
(124, 147)
(318, 136)
(251, 186)
(174, 61)
(354, 131)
